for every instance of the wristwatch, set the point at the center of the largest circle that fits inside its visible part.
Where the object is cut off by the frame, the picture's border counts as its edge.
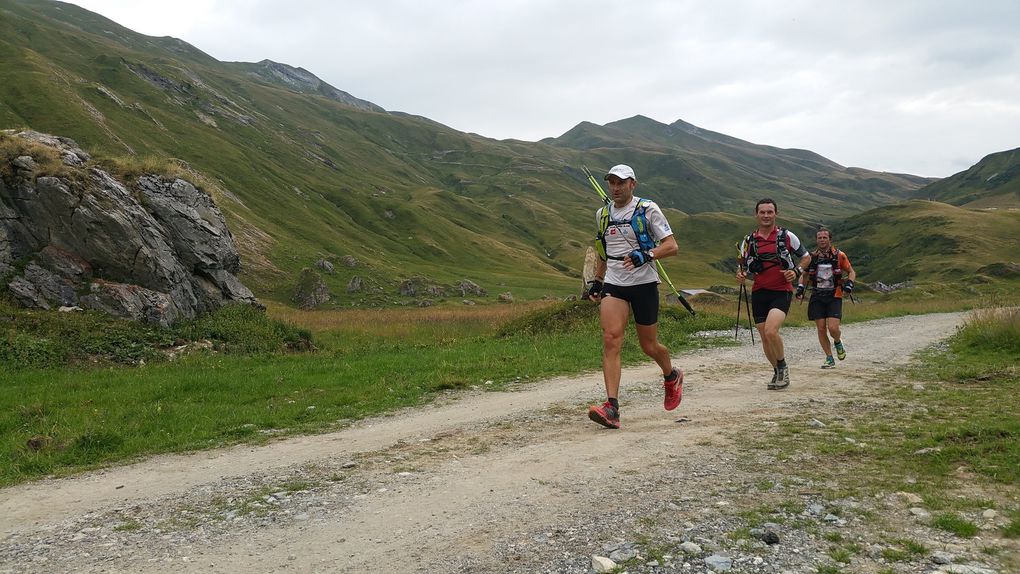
(650, 254)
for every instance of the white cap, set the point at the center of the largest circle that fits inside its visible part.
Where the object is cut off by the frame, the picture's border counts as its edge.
(621, 171)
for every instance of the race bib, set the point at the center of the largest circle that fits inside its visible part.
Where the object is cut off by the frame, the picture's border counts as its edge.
(823, 277)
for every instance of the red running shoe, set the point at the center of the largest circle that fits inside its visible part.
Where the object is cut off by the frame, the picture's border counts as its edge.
(674, 386)
(606, 415)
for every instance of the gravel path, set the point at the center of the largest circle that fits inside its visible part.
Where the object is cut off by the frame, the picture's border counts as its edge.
(506, 482)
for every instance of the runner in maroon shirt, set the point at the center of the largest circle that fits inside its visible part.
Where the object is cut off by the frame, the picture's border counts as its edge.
(768, 254)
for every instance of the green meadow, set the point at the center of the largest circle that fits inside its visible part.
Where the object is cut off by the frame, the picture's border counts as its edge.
(239, 375)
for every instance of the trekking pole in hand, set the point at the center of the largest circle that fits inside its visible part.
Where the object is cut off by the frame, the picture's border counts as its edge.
(848, 288)
(747, 305)
(743, 294)
(736, 326)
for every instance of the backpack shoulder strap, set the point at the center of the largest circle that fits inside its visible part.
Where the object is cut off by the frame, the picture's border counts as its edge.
(603, 215)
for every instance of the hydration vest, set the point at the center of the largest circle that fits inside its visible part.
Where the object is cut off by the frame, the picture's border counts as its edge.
(638, 222)
(757, 262)
(831, 258)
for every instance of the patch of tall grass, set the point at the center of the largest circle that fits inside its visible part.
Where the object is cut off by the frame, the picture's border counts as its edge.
(340, 328)
(47, 159)
(44, 339)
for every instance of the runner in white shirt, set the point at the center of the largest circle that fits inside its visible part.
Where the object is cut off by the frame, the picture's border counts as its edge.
(626, 280)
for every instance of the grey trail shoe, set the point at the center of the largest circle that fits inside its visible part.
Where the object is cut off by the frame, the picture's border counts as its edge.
(782, 378)
(772, 384)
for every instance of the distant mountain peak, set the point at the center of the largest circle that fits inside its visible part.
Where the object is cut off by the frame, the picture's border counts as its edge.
(301, 80)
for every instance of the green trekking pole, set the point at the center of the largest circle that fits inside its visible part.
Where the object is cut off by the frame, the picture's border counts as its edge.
(662, 272)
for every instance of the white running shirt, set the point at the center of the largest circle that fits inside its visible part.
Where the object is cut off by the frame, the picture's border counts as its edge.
(620, 241)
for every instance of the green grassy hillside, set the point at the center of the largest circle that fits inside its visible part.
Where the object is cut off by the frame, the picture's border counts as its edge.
(930, 242)
(993, 182)
(305, 171)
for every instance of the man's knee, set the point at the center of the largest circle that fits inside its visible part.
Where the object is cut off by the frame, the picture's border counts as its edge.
(771, 326)
(612, 339)
(650, 347)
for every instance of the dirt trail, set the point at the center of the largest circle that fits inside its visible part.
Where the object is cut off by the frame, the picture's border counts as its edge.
(463, 482)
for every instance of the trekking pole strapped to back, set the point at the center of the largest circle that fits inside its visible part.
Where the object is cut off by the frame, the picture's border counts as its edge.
(662, 272)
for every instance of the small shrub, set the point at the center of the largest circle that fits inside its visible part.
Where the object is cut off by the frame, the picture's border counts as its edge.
(1012, 530)
(91, 445)
(952, 523)
(560, 318)
(245, 329)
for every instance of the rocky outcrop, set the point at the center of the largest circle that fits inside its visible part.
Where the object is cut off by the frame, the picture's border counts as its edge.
(301, 80)
(467, 287)
(355, 285)
(311, 290)
(420, 286)
(326, 266)
(158, 252)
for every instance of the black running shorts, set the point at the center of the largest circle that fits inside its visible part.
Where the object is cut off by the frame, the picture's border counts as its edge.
(643, 299)
(765, 300)
(824, 307)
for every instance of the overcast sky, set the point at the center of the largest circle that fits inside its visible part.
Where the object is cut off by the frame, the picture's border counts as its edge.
(923, 87)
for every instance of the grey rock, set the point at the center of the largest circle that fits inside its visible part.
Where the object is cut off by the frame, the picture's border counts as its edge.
(601, 564)
(24, 162)
(131, 302)
(910, 498)
(411, 287)
(325, 266)
(719, 563)
(941, 557)
(349, 261)
(623, 555)
(920, 512)
(56, 290)
(416, 286)
(690, 548)
(355, 285)
(157, 253)
(467, 287)
(967, 569)
(815, 423)
(26, 294)
(506, 297)
(311, 291)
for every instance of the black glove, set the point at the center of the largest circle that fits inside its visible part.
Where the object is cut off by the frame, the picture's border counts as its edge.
(639, 258)
(848, 286)
(800, 292)
(595, 289)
